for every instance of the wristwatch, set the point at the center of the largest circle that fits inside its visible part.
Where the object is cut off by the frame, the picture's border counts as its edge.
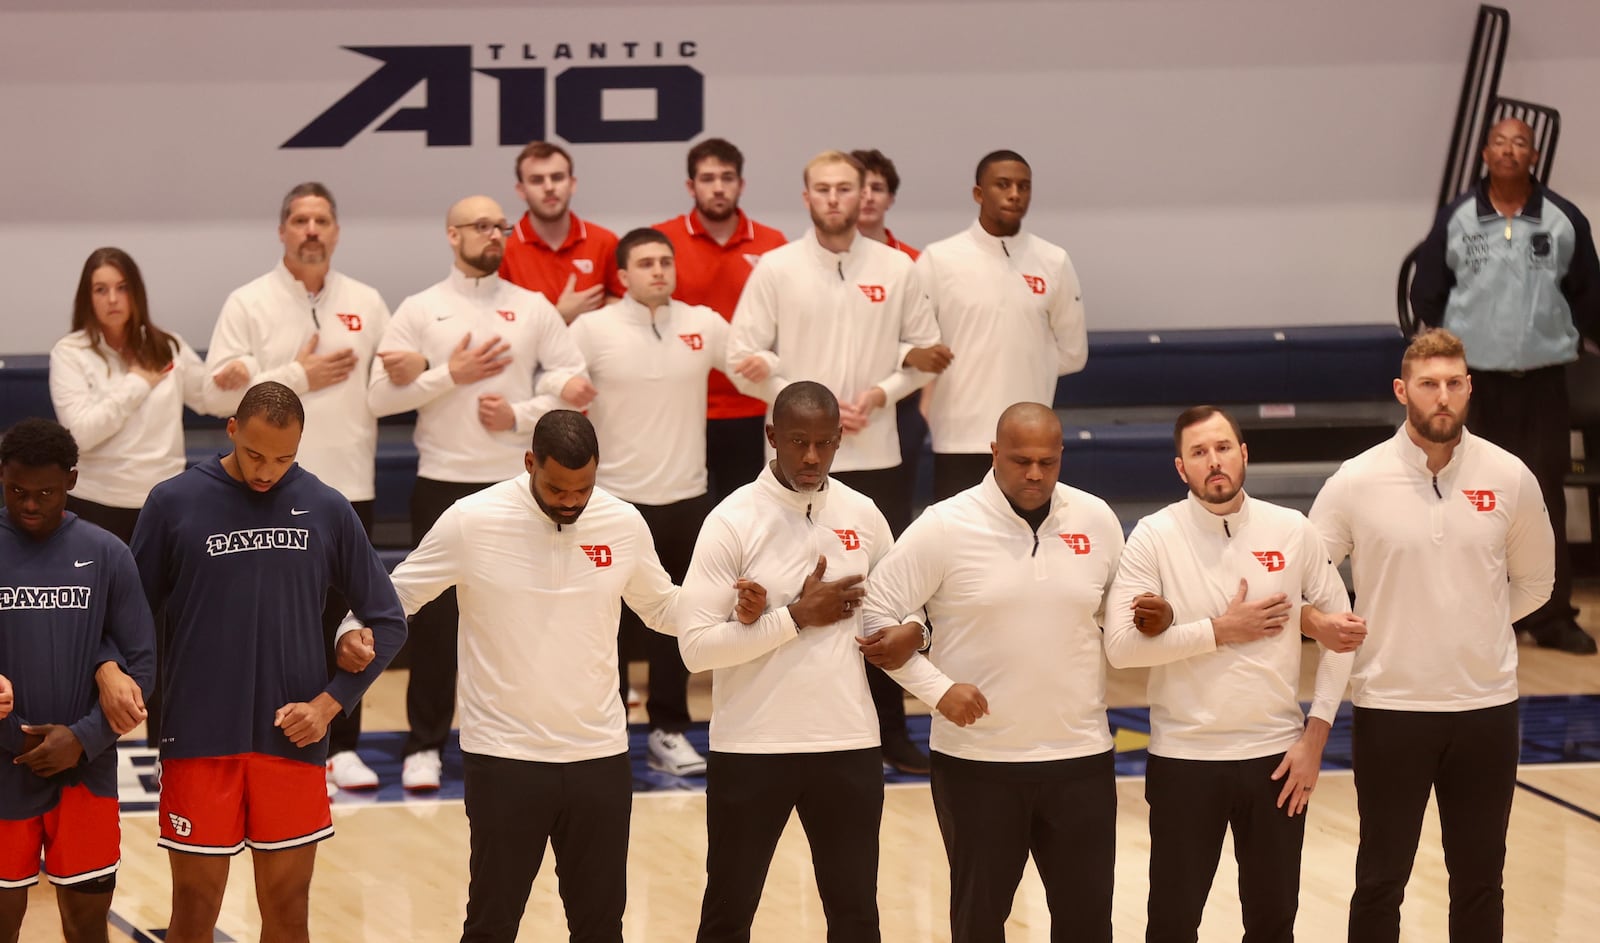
(927, 639)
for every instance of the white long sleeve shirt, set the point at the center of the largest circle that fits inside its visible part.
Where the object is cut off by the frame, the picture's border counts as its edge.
(265, 323)
(1016, 612)
(649, 371)
(1235, 701)
(452, 445)
(1442, 565)
(129, 434)
(845, 320)
(1011, 310)
(776, 688)
(539, 608)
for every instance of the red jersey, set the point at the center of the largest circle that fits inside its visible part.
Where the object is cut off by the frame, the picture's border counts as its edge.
(714, 275)
(589, 252)
(893, 243)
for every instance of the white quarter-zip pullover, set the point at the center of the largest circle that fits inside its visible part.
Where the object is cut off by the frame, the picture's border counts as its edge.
(539, 608)
(129, 434)
(1011, 310)
(1442, 565)
(649, 412)
(776, 688)
(452, 445)
(843, 319)
(265, 323)
(1235, 701)
(1016, 611)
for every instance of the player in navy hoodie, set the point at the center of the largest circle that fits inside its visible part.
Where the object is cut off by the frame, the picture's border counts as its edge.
(69, 601)
(242, 550)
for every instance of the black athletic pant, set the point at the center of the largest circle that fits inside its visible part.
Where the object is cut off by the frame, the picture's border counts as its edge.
(1527, 415)
(431, 693)
(955, 472)
(839, 797)
(674, 528)
(345, 729)
(583, 809)
(886, 487)
(992, 815)
(736, 451)
(1192, 805)
(119, 521)
(1468, 759)
(913, 431)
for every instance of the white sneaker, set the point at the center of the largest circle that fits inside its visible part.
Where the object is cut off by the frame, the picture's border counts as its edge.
(634, 697)
(671, 753)
(346, 771)
(332, 790)
(420, 772)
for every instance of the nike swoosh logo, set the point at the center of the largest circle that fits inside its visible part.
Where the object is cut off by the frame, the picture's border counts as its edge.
(80, 564)
(297, 512)
(443, 317)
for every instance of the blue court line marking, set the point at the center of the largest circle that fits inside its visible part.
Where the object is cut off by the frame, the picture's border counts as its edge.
(153, 936)
(1565, 804)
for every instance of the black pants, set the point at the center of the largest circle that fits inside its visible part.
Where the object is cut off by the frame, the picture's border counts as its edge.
(674, 528)
(736, 451)
(1528, 416)
(913, 431)
(992, 815)
(345, 729)
(886, 488)
(431, 693)
(119, 521)
(955, 472)
(1468, 759)
(1192, 805)
(582, 809)
(839, 797)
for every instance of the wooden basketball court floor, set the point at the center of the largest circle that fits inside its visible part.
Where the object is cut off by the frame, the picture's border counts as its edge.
(397, 870)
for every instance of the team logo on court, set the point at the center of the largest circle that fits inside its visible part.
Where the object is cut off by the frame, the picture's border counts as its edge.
(1271, 559)
(352, 322)
(695, 341)
(508, 315)
(1482, 500)
(874, 293)
(599, 553)
(181, 826)
(586, 266)
(1035, 283)
(1078, 542)
(850, 539)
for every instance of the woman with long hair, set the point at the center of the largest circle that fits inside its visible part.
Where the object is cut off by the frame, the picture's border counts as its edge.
(119, 384)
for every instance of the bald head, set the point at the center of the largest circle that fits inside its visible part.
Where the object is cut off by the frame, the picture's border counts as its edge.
(1508, 152)
(477, 230)
(1027, 454)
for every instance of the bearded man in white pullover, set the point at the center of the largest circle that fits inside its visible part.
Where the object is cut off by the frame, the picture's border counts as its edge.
(542, 564)
(480, 360)
(1013, 572)
(1229, 743)
(1449, 544)
(315, 330)
(848, 312)
(792, 725)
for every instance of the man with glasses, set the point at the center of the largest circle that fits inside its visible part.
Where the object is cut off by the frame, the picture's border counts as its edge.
(572, 262)
(314, 330)
(480, 360)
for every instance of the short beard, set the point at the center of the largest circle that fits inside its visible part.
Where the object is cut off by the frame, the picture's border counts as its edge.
(1424, 427)
(848, 224)
(710, 217)
(486, 261)
(556, 516)
(1220, 499)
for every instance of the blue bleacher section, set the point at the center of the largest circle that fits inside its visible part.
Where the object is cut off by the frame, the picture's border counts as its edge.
(1117, 411)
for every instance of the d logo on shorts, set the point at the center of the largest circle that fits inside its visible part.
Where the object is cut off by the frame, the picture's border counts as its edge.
(181, 826)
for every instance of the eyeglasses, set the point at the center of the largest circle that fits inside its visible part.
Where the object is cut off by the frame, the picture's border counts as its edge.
(483, 227)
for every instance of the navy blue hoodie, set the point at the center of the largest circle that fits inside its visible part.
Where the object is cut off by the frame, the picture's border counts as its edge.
(244, 577)
(67, 603)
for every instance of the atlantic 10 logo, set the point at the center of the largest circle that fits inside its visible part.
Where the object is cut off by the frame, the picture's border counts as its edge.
(577, 97)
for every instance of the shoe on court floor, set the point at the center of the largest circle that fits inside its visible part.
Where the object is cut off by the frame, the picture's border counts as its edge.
(420, 771)
(671, 753)
(634, 699)
(332, 789)
(901, 754)
(1567, 637)
(346, 771)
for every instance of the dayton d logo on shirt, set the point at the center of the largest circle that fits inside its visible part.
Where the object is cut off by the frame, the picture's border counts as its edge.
(351, 322)
(1078, 542)
(1483, 500)
(850, 539)
(1271, 559)
(695, 341)
(599, 553)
